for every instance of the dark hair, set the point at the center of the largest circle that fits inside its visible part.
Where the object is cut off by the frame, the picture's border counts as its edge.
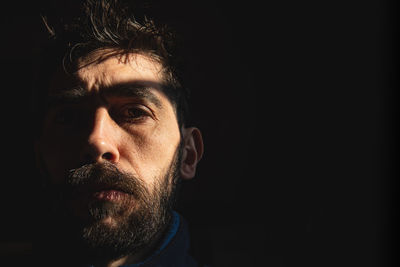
(111, 24)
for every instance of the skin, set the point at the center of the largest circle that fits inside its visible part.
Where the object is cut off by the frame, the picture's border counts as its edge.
(138, 133)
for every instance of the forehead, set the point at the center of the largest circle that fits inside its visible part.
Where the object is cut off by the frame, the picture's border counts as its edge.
(103, 69)
(110, 74)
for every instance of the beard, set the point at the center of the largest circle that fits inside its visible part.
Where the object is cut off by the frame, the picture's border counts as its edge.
(90, 227)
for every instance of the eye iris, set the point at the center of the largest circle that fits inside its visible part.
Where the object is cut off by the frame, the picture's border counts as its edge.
(135, 112)
(132, 112)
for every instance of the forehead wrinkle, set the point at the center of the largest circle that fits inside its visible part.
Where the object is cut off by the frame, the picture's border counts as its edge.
(98, 77)
(128, 90)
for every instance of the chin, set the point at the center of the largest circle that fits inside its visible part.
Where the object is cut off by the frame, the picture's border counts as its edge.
(109, 222)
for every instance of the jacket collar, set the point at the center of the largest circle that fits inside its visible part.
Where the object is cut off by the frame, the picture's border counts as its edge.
(173, 249)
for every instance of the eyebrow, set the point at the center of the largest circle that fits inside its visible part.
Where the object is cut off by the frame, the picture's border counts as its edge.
(134, 90)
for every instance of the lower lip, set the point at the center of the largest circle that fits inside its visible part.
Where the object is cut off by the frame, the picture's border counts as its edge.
(109, 195)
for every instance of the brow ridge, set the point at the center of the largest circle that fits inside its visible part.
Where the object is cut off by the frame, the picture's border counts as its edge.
(132, 89)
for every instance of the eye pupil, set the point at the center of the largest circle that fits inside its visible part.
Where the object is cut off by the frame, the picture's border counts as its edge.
(134, 112)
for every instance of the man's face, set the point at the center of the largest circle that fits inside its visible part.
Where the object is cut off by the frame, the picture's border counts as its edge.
(111, 142)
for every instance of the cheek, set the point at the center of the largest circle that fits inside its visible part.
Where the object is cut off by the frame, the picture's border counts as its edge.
(151, 154)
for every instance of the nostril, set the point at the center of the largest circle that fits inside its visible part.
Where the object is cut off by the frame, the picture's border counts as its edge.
(108, 156)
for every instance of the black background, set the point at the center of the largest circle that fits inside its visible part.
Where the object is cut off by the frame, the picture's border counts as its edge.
(297, 102)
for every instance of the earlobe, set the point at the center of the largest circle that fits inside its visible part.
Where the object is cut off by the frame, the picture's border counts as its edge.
(192, 151)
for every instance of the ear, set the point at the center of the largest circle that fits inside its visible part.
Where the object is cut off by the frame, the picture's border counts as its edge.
(192, 151)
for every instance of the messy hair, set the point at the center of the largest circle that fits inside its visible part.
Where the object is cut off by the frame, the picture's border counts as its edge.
(112, 25)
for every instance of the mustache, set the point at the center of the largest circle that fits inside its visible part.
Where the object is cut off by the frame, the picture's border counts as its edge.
(102, 176)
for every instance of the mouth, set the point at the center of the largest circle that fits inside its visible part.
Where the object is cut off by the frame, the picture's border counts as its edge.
(109, 195)
(103, 192)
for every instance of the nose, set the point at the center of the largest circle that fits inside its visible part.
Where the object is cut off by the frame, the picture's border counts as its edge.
(101, 144)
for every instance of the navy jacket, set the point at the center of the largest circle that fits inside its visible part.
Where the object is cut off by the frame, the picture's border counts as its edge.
(173, 250)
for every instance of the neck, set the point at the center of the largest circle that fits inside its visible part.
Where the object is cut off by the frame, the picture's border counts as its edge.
(137, 257)
(49, 253)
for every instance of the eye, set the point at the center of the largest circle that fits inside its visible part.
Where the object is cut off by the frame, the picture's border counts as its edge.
(134, 113)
